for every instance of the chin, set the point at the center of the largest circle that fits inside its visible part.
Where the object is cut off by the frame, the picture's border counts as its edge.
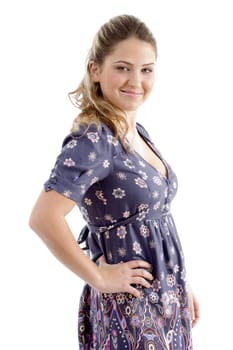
(131, 108)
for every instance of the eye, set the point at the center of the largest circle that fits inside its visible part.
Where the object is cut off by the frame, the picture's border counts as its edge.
(122, 68)
(147, 70)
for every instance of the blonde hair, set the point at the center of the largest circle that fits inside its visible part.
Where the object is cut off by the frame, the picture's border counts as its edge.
(94, 108)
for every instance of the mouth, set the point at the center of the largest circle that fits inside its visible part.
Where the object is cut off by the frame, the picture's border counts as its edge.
(131, 93)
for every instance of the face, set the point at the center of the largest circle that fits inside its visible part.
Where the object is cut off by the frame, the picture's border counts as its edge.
(126, 77)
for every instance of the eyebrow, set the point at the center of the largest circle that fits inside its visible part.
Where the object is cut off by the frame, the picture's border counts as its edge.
(131, 64)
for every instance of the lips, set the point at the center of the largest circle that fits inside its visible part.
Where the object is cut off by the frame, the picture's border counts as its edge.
(131, 93)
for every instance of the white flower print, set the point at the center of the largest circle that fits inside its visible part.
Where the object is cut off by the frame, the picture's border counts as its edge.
(141, 215)
(94, 180)
(72, 144)
(83, 188)
(137, 247)
(156, 205)
(90, 172)
(154, 298)
(157, 180)
(156, 285)
(171, 280)
(172, 297)
(174, 185)
(155, 194)
(121, 232)
(93, 136)
(129, 163)
(106, 163)
(126, 214)
(111, 139)
(140, 182)
(121, 252)
(118, 193)
(143, 174)
(67, 193)
(121, 175)
(88, 201)
(144, 231)
(176, 268)
(69, 162)
(142, 163)
(92, 156)
(143, 207)
(100, 196)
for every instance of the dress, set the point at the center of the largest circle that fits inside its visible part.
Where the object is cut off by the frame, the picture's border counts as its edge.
(125, 202)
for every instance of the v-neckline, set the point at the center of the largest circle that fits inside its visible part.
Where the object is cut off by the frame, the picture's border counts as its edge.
(150, 145)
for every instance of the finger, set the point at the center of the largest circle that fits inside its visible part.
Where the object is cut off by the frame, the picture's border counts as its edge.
(142, 281)
(196, 313)
(142, 273)
(133, 291)
(133, 264)
(191, 309)
(194, 322)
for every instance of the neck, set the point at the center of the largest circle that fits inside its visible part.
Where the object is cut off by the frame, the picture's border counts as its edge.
(131, 120)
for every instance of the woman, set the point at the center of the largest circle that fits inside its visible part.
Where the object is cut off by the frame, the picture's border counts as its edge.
(136, 294)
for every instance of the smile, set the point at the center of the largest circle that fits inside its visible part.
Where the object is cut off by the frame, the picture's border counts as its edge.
(131, 93)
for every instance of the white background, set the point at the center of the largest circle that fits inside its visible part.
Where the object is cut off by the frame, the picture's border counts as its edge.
(43, 49)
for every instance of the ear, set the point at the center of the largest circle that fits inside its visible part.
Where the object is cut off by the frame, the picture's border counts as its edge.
(94, 70)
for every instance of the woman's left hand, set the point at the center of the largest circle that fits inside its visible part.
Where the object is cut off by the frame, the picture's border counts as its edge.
(194, 308)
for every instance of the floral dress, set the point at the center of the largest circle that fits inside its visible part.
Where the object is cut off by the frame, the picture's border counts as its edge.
(125, 202)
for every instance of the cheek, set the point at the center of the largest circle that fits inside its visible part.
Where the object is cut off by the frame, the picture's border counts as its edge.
(116, 80)
(149, 84)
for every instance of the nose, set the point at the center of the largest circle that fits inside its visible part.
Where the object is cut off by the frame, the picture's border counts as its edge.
(134, 78)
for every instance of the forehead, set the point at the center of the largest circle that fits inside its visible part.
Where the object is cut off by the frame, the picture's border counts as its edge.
(133, 50)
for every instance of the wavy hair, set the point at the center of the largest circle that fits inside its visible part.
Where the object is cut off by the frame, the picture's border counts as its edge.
(94, 108)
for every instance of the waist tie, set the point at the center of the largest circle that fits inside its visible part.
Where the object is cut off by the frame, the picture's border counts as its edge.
(90, 232)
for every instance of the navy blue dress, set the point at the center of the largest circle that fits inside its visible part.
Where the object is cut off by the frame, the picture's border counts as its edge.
(125, 202)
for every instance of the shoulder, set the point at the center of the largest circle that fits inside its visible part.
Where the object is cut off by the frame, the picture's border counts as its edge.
(141, 129)
(91, 138)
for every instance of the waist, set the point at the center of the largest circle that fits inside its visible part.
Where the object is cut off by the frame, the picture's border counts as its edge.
(146, 215)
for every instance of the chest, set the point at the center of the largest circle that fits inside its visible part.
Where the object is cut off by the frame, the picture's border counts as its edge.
(148, 154)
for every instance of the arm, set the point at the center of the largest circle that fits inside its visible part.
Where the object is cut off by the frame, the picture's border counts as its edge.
(48, 221)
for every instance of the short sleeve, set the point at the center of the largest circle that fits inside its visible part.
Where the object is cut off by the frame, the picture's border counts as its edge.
(85, 158)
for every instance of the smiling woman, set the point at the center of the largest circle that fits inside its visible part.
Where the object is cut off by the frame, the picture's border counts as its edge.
(137, 294)
(126, 83)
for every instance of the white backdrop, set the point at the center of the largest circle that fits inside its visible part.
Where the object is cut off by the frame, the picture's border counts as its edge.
(43, 49)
